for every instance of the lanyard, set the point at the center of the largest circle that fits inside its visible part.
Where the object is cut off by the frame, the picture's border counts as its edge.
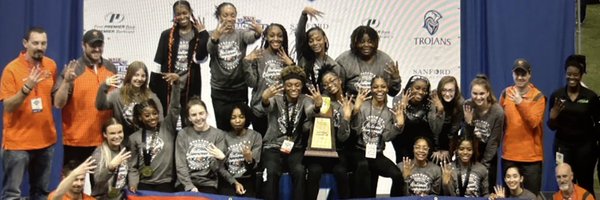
(462, 186)
(376, 119)
(290, 119)
(147, 153)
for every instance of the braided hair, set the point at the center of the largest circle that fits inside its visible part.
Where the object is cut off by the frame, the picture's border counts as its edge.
(170, 61)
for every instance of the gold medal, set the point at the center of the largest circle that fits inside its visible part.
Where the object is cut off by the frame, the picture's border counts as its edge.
(113, 193)
(147, 171)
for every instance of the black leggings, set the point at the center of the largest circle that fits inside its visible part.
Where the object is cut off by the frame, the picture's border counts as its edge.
(317, 166)
(368, 171)
(222, 105)
(274, 161)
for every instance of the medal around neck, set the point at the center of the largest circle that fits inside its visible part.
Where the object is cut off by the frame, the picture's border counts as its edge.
(147, 171)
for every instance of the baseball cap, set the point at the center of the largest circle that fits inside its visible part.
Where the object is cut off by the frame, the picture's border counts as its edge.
(522, 64)
(92, 36)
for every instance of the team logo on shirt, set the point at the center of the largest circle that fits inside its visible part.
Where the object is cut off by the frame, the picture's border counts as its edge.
(364, 81)
(283, 120)
(229, 54)
(272, 72)
(419, 183)
(155, 146)
(121, 175)
(472, 186)
(372, 129)
(482, 130)
(128, 113)
(182, 56)
(197, 156)
(235, 159)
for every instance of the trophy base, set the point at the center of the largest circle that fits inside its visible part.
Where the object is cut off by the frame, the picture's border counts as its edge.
(321, 153)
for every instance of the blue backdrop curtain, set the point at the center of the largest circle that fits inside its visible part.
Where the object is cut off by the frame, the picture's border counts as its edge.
(494, 34)
(63, 21)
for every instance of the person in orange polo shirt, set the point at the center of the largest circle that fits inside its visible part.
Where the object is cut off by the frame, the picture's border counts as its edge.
(75, 92)
(71, 186)
(524, 106)
(567, 189)
(29, 135)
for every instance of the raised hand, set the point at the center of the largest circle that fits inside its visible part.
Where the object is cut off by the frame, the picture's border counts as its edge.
(392, 70)
(361, 98)
(346, 106)
(435, 99)
(119, 159)
(312, 12)
(256, 27)
(113, 80)
(220, 30)
(36, 76)
(399, 114)
(440, 156)
(247, 152)
(284, 57)
(559, 105)
(256, 54)
(272, 91)
(468, 111)
(446, 173)
(199, 24)
(215, 152)
(407, 167)
(499, 191)
(315, 95)
(87, 166)
(514, 95)
(70, 75)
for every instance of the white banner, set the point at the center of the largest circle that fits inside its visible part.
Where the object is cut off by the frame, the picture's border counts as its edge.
(423, 36)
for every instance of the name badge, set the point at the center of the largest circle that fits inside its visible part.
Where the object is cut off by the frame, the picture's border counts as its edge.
(36, 105)
(287, 146)
(371, 150)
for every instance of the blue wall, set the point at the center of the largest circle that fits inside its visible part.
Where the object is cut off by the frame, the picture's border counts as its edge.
(495, 33)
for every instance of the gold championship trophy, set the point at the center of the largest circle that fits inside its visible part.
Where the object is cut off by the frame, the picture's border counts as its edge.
(321, 142)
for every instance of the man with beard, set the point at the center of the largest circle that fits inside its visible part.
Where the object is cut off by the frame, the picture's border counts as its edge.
(524, 106)
(75, 93)
(568, 189)
(29, 135)
(71, 186)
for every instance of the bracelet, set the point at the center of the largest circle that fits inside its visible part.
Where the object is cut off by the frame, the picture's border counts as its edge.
(25, 93)
(26, 86)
